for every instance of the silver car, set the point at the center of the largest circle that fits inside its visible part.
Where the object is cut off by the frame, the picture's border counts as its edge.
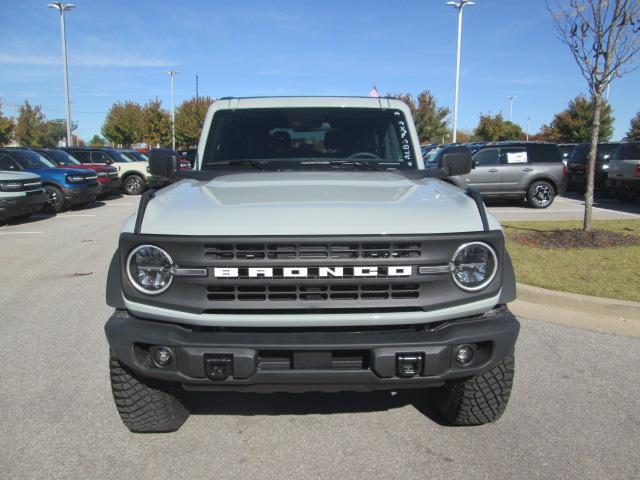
(532, 171)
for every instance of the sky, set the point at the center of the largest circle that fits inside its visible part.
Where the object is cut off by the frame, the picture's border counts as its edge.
(121, 50)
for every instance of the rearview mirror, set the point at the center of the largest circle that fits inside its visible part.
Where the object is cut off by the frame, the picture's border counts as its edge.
(455, 160)
(163, 162)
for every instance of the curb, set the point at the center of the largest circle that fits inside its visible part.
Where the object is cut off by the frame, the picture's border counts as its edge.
(620, 317)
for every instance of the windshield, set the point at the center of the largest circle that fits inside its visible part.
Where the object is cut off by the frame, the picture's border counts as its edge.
(121, 156)
(61, 157)
(137, 156)
(305, 136)
(29, 159)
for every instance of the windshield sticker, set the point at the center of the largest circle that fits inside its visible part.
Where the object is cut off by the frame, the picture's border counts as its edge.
(406, 145)
(516, 157)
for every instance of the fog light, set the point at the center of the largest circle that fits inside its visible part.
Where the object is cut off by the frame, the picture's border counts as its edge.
(162, 357)
(464, 355)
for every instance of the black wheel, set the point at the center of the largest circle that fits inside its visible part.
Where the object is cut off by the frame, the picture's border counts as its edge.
(146, 405)
(54, 199)
(134, 185)
(478, 400)
(540, 194)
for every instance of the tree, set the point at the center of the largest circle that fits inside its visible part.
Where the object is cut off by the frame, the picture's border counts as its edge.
(494, 128)
(189, 119)
(574, 124)
(431, 121)
(123, 124)
(6, 128)
(633, 134)
(156, 124)
(602, 36)
(30, 125)
(97, 141)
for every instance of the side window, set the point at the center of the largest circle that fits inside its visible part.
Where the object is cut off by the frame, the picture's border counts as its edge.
(544, 153)
(514, 155)
(83, 156)
(100, 157)
(8, 163)
(487, 156)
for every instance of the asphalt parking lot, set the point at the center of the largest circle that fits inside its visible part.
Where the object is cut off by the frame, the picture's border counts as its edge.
(574, 411)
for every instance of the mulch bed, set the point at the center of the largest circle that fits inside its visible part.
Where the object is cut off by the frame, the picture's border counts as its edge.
(575, 239)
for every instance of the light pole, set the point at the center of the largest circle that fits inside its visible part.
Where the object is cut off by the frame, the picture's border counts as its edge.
(460, 6)
(172, 73)
(65, 7)
(528, 126)
(511, 99)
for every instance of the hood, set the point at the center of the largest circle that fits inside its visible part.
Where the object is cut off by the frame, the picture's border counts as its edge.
(12, 175)
(310, 203)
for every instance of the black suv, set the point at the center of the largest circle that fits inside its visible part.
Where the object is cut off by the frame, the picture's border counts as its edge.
(578, 166)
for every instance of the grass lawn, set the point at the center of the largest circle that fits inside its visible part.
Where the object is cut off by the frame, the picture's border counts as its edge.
(612, 272)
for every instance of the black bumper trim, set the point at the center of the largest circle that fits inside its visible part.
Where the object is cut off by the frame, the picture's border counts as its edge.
(128, 336)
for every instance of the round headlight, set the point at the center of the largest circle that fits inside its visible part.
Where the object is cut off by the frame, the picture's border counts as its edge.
(149, 269)
(473, 266)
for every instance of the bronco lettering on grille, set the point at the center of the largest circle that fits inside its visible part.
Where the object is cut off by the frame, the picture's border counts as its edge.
(311, 272)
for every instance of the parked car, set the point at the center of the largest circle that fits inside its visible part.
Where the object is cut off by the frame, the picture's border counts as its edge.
(63, 187)
(578, 166)
(189, 155)
(21, 193)
(565, 150)
(427, 148)
(624, 171)
(108, 178)
(134, 175)
(516, 170)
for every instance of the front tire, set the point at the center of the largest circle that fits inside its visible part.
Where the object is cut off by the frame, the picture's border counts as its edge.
(134, 185)
(146, 405)
(478, 400)
(54, 199)
(540, 194)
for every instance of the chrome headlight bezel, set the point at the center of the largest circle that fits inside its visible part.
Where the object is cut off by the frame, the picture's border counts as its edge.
(131, 278)
(488, 280)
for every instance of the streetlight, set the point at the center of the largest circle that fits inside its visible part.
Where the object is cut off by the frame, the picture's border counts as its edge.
(172, 73)
(460, 6)
(528, 127)
(64, 7)
(511, 98)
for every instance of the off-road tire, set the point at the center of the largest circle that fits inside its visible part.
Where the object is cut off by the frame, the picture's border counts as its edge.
(478, 400)
(134, 184)
(540, 194)
(54, 199)
(146, 405)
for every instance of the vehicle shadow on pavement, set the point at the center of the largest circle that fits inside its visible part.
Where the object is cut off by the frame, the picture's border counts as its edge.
(600, 201)
(310, 403)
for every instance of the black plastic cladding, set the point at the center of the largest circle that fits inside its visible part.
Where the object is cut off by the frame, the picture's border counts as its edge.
(190, 293)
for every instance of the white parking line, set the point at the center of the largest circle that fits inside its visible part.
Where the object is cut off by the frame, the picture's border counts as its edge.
(18, 233)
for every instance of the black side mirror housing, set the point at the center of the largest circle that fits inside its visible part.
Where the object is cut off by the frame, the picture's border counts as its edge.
(455, 160)
(163, 162)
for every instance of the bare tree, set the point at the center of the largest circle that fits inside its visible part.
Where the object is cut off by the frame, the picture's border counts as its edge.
(604, 39)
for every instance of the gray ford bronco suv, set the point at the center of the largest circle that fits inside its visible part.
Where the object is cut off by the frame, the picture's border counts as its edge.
(310, 250)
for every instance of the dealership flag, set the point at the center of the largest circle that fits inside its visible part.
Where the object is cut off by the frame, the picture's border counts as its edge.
(374, 92)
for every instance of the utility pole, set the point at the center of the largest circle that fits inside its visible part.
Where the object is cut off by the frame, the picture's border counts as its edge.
(528, 123)
(62, 7)
(460, 7)
(172, 73)
(511, 99)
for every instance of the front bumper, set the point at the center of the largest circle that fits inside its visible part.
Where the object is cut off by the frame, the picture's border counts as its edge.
(30, 202)
(267, 360)
(82, 194)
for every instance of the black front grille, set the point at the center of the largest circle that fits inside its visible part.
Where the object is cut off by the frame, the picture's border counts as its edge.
(292, 293)
(289, 251)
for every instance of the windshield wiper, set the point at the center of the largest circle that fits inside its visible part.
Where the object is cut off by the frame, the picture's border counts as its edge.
(251, 163)
(356, 163)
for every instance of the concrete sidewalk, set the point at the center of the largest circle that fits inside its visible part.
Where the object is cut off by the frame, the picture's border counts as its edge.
(618, 317)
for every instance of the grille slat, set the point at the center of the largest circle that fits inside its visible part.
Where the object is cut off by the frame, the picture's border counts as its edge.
(250, 251)
(277, 293)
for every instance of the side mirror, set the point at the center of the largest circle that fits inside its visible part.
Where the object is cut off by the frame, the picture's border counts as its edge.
(163, 162)
(455, 160)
